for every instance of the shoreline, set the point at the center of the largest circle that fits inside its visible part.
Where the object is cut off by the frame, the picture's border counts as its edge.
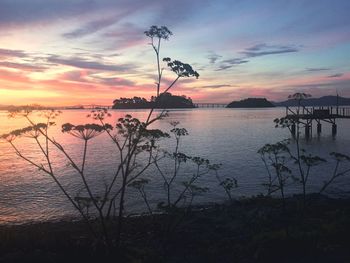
(195, 207)
(247, 230)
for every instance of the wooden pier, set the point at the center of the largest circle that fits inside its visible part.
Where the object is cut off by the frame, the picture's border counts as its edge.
(307, 115)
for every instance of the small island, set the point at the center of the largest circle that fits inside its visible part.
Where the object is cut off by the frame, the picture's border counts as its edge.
(251, 103)
(164, 101)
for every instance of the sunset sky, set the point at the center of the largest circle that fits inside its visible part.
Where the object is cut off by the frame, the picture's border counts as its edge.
(69, 52)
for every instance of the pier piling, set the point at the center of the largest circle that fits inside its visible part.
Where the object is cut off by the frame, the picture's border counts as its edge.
(293, 130)
(319, 128)
(307, 130)
(334, 129)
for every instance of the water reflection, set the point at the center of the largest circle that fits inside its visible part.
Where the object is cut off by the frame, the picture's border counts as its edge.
(228, 136)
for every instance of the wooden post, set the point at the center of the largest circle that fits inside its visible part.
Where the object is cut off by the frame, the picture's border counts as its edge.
(334, 129)
(319, 128)
(307, 131)
(293, 130)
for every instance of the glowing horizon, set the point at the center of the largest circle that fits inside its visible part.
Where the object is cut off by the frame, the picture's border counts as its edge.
(62, 53)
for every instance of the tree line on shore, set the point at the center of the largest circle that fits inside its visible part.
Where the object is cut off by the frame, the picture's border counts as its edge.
(164, 100)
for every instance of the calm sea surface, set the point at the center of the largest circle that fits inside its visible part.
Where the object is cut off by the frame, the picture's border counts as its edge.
(227, 136)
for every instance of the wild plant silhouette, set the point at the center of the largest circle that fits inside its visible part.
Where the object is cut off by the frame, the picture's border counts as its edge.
(134, 140)
(275, 156)
(304, 160)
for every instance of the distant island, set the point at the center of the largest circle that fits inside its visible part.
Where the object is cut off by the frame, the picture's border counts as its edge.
(251, 103)
(24, 107)
(7, 107)
(322, 101)
(164, 101)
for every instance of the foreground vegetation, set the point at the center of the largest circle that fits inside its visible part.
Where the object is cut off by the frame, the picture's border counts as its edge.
(246, 230)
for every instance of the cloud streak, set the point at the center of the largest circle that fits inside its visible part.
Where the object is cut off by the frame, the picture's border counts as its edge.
(258, 50)
(88, 64)
(335, 75)
(90, 28)
(22, 66)
(213, 57)
(125, 36)
(229, 63)
(114, 81)
(10, 53)
(218, 86)
(265, 50)
(24, 12)
(317, 69)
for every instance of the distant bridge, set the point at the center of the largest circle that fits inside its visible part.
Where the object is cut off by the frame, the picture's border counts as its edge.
(86, 107)
(210, 105)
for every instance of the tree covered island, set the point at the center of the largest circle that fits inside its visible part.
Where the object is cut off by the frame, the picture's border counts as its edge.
(251, 103)
(164, 101)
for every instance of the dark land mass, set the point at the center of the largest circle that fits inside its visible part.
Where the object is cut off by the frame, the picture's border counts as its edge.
(164, 101)
(247, 230)
(251, 103)
(7, 107)
(323, 101)
(22, 107)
